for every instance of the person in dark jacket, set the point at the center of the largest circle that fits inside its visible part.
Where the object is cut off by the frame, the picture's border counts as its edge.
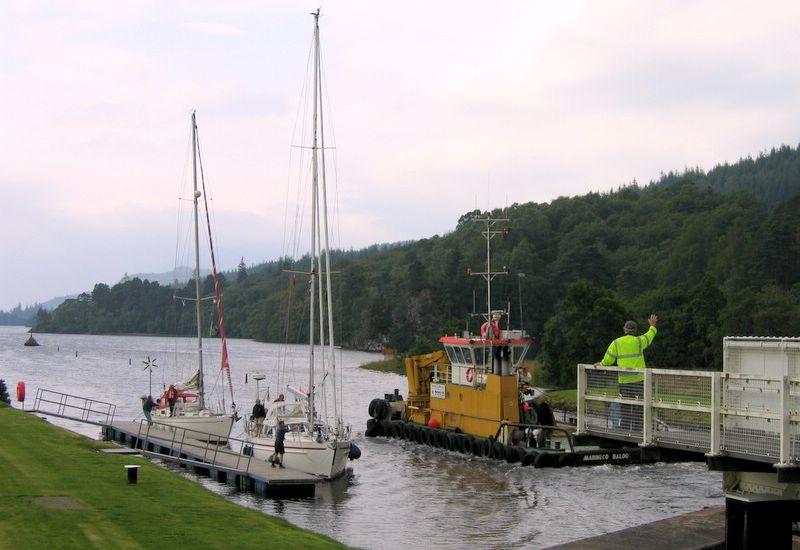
(259, 414)
(147, 407)
(280, 436)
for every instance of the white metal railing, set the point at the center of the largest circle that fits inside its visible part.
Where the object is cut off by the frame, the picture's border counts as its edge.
(743, 415)
(73, 407)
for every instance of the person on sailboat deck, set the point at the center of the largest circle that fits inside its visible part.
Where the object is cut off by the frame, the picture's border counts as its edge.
(259, 414)
(278, 399)
(280, 436)
(172, 396)
(147, 407)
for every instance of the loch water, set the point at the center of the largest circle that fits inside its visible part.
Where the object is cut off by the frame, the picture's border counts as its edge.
(398, 493)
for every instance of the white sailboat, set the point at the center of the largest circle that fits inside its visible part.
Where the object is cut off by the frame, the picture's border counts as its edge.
(190, 411)
(315, 444)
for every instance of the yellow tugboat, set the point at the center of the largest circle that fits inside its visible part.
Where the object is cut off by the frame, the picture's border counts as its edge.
(471, 396)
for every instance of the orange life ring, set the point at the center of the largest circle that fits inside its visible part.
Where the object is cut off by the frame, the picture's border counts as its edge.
(20, 391)
(470, 374)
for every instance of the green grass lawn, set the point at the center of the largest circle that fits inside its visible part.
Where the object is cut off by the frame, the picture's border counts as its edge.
(393, 365)
(58, 491)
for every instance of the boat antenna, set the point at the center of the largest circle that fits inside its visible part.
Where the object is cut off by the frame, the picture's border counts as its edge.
(488, 275)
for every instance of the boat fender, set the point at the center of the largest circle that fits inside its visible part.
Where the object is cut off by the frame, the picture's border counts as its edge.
(430, 437)
(433, 423)
(355, 452)
(467, 445)
(247, 450)
(373, 407)
(567, 460)
(386, 428)
(373, 427)
(397, 429)
(408, 431)
(545, 460)
(454, 442)
(498, 451)
(486, 448)
(512, 454)
(20, 391)
(529, 458)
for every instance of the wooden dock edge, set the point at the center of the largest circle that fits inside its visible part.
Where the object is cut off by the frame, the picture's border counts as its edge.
(260, 485)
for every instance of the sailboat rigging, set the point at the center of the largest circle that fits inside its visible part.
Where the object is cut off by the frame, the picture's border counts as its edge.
(183, 404)
(314, 444)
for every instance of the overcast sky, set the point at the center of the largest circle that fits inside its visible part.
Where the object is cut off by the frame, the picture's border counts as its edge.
(438, 107)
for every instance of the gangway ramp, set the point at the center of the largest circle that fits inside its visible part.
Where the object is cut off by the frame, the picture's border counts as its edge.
(73, 407)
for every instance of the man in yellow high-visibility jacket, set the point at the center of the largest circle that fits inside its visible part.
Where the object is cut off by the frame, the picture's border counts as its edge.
(628, 351)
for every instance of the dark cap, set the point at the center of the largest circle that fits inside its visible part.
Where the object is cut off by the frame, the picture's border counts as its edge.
(630, 327)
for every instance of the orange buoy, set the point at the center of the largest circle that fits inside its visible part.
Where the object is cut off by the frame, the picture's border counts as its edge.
(433, 423)
(20, 391)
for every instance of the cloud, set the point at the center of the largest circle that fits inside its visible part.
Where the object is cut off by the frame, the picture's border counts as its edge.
(437, 109)
(218, 29)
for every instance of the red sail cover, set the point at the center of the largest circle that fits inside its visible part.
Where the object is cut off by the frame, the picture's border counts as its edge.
(218, 296)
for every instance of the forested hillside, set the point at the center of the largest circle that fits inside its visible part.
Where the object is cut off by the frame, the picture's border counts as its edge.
(710, 264)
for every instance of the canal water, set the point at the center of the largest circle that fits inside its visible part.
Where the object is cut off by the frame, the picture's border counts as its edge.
(398, 493)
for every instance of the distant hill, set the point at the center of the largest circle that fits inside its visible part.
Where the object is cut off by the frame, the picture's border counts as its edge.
(179, 276)
(772, 177)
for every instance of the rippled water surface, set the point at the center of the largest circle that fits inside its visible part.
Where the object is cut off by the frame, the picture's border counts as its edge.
(398, 493)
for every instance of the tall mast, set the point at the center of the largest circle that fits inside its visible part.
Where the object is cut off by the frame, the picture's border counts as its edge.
(196, 195)
(329, 304)
(314, 217)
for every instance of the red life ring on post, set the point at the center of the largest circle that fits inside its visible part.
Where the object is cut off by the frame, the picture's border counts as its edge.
(470, 374)
(20, 391)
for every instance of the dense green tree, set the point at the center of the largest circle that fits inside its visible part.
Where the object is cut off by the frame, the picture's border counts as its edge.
(583, 325)
(241, 271)
(713, 254)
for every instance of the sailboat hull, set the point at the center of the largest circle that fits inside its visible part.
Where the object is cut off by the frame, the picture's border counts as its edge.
(202, 425)
(326, 460)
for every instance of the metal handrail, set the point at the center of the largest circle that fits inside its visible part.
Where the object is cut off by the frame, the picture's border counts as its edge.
(66, 405)
(182, 438)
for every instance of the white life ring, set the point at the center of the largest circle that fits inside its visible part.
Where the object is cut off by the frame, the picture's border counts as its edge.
(470, 374)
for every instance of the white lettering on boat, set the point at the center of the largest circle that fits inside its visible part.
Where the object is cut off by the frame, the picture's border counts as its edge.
(604, 456)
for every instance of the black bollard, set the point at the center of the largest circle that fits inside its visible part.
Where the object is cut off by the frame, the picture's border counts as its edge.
(133, 473)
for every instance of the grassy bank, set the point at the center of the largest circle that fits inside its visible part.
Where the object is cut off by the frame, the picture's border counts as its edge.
(393, 365)
(58, 491)
(562, 399)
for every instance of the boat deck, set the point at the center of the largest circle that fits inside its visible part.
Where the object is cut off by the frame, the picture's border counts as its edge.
(220, 462)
